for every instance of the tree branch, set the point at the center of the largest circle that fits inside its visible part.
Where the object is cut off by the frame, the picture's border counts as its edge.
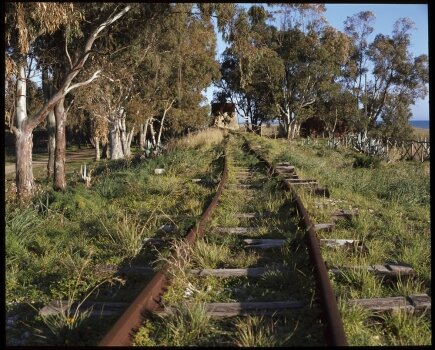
(67, 55)
(94, 76)
(65, 86)
(69, 107)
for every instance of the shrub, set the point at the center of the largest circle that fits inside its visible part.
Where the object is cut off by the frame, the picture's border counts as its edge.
(21, 228)
(184, 326)
(125, 235)
(365, 161)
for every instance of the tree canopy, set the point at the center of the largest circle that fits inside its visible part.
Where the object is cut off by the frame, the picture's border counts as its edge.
(115, 72)
(305, 68)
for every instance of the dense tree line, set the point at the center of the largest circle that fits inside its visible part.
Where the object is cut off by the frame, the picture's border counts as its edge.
(115, 71)
(308, 69)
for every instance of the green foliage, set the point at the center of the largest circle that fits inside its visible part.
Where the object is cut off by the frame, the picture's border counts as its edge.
(125, 236)
(184, 326)
(254, 331)
(366, 161)
(23, 223)
(144, 336)
(403, 328)
(21, 228)
(55, 248)
(289, 73)
(210, 255)
(393, 221)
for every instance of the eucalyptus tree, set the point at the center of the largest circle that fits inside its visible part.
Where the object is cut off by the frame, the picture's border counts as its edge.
(358, 28)
(251, 68)
(173, 70)
(395, 118)
(280, 74)
(193, 68)
(310, 72)
(399, 78)
(335, 103)
(25, 22)
(302, 16)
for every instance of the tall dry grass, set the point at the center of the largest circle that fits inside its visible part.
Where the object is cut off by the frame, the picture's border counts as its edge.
(208, 137)
(420, 133)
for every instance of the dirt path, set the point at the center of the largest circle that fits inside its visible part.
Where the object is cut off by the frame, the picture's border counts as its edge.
(85, 154)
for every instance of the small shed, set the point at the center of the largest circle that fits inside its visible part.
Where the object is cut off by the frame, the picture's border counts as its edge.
(224, 115)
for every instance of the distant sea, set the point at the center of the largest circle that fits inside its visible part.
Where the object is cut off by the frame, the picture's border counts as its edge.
(423, 124)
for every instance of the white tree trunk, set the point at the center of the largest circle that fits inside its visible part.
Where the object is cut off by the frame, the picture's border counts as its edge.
(60, 150)
(153, 134)
(163, 120)
(24, 168)
(21, 97)
(115, 141)
(141, 137)
(97, 148)
(123, 135)
(288, 124)
(23, 142)
(129, 138)
(295, 130)
(159, 135)
(51, 128)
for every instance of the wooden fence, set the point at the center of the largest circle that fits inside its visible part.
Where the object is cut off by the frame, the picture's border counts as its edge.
(389, 148)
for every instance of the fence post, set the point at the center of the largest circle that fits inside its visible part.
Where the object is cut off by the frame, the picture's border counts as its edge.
(422, 152)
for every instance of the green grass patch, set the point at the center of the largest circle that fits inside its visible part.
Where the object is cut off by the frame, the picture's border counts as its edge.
(393, 202)
(55, 247)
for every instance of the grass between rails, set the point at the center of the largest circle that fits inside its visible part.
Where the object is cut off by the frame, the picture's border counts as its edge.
(190, 324)
(56, 246)
(393, 201)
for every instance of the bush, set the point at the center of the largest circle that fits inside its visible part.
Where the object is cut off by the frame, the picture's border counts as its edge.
(21, 228)
(365, 161)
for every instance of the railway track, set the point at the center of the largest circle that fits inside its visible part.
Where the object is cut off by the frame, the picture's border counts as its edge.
(257, 277)
(386, 300)
(252, 265)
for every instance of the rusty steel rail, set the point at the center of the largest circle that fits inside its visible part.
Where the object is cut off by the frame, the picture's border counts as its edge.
(335, 335)
(149, 298)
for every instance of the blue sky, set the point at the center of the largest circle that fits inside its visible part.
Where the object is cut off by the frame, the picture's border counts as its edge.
(386, 15)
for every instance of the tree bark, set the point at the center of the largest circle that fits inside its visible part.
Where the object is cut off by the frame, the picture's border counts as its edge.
(153, 134)
(97, 148)
(23, 141)
(129, 138)
(24, 170)
(47, 88)
(51, 129)
(123, 134)
(295, 130)
(115, 141)
(59, 154)
(141, 137)
(143, 134)
(125, 137)
(104, 151)
(159, 135)
(145, 131)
